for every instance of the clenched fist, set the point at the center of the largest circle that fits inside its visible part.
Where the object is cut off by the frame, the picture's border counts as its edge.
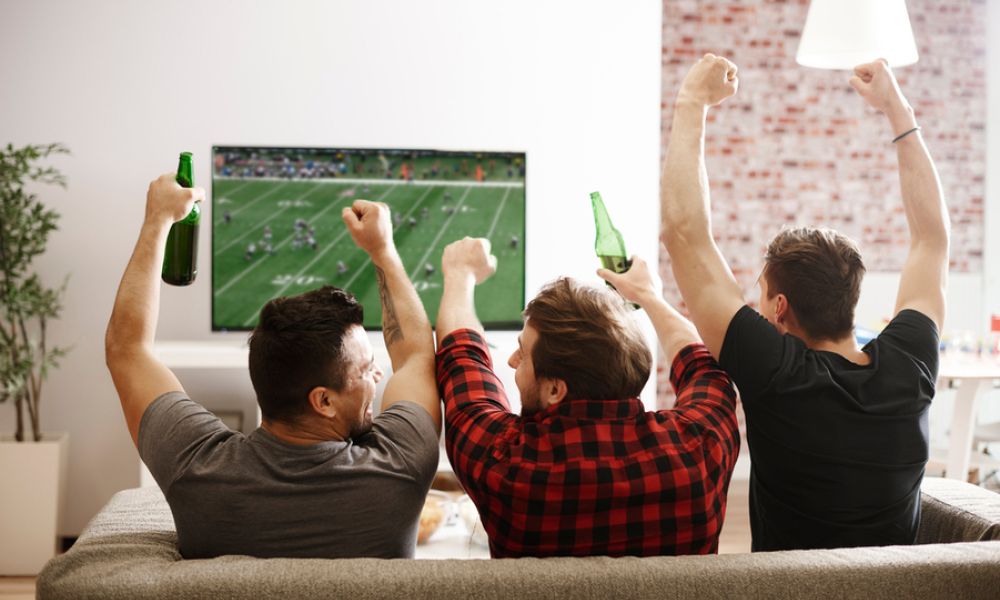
(469, 256)
(710, 81)
(875, 83)
(369, 225)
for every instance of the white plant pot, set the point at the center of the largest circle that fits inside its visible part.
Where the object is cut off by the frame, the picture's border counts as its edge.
(31, 501)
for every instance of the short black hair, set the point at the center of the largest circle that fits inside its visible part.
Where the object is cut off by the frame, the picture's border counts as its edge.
(298, 345)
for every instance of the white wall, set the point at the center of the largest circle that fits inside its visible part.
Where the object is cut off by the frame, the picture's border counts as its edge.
(990, 409)
(127, 85)
(991, 262)
(964, 301)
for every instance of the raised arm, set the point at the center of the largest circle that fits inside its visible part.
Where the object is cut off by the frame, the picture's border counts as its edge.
(925, 273)
(641, 286)
(128, 343)
(464, 264)
(405, 327)
(705, 281)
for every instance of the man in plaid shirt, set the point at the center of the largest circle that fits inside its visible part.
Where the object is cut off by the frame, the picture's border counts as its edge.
(584, 470)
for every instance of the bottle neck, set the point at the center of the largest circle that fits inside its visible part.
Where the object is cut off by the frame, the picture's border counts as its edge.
(185, 171)
(609, 240)
(601, 217)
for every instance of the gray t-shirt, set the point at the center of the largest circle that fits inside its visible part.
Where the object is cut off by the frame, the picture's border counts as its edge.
(256, 495)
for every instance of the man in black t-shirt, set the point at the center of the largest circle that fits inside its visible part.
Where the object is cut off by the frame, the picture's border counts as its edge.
(837, 433)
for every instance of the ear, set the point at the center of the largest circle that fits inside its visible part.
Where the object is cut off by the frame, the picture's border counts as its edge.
(322, 401)
(781, 312)
(553, 391)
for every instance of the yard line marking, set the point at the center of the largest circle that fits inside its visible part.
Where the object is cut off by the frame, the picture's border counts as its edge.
(496, 217)
(253, 265)
(271, 216)
(364, 265)
(316, 258)
(430, 247)
(258, 199)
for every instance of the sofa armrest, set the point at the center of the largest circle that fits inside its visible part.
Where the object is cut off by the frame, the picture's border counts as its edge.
(955, 511)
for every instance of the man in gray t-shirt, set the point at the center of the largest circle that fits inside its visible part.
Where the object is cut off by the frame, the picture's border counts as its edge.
(259, 495)
(321, 477)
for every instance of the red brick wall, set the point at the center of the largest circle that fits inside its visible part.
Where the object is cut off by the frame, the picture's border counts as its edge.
(797, 146)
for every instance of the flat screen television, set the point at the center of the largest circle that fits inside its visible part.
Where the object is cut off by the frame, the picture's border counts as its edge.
(277, 231)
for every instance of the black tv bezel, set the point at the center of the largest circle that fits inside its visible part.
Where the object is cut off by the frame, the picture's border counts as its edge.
(513, 325)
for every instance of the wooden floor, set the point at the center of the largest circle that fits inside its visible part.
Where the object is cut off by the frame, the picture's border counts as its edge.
(735, 538)
(17, 588)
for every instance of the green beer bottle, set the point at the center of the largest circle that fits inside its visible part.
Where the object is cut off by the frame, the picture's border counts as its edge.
(610, 246)
(180, 262)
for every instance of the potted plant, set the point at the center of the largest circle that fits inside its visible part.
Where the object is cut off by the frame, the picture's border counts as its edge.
(33, 464)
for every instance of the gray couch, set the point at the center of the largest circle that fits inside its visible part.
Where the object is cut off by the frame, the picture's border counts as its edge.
(129, 551)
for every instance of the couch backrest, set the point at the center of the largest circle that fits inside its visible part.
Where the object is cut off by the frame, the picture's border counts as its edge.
(129, 551)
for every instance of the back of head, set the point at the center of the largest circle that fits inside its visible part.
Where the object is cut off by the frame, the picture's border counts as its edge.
(587, 338)
(819, 271)
(298, 345)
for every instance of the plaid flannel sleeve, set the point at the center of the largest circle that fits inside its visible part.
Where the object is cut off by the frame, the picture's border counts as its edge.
(476, 411)
(706, 397)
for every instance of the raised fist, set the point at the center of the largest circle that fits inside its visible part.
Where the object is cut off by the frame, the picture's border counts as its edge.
(470, 256)
(710, 81)
(369, 225)
(875, 83)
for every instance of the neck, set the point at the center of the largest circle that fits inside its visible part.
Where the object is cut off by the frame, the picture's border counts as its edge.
(301, 434)
(846, 347)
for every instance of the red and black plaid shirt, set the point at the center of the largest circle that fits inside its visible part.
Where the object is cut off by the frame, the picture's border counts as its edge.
(587, 477)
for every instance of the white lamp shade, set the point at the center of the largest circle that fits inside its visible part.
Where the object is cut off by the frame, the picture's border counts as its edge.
(841, 34)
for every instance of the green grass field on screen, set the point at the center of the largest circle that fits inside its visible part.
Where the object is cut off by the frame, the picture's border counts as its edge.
(243, 282)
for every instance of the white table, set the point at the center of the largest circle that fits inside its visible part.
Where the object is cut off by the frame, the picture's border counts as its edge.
(451, 540)
(974, 377)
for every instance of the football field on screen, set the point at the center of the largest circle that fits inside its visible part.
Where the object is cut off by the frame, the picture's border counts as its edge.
(243, 282)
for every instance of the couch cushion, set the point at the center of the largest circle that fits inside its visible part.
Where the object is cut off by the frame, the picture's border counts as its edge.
(955, 511)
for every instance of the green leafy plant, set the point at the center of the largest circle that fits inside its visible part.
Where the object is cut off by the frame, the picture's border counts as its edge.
(26, 305)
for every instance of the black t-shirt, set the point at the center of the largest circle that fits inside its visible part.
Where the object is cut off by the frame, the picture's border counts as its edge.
(837, 449)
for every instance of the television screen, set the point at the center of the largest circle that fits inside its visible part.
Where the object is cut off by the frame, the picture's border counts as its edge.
(277, 231)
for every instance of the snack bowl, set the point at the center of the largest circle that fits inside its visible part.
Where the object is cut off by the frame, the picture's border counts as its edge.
(469, 514)
(437, 507)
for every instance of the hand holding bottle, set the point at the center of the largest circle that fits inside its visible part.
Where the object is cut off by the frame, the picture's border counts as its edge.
(167, 202)
(638, 285)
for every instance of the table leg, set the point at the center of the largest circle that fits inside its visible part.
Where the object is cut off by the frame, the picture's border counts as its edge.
(963, 422)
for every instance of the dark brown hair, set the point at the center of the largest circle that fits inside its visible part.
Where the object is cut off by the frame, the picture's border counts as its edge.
(587, 338)
(820, 272)
(297, 346)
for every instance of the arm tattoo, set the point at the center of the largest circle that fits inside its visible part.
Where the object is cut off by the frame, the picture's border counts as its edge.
(390, 324)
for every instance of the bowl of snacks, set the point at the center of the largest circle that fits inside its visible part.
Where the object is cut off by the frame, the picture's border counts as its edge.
(437, 505)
